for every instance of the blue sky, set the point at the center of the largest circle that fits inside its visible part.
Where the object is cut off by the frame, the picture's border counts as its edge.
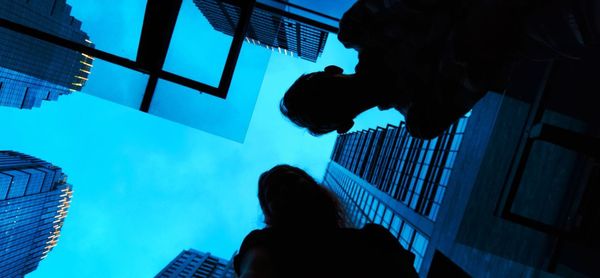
(147, 188)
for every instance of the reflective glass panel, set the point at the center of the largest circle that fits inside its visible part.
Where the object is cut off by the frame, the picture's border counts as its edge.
(201, 40)
(128, 89)
(111, 27)
(229, 117)
(33, 71)
(114, 27)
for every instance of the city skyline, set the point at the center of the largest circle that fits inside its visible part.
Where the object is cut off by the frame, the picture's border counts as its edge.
(166, 150)
(133, 170)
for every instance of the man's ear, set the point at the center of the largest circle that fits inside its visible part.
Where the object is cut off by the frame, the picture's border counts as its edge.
(334, 69)
(345, 127)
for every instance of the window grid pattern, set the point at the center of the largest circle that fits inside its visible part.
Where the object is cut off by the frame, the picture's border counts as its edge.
(193, 263)
(34, 199)
(410, 170)
(32, 70)
(362, 208)
(266, 29)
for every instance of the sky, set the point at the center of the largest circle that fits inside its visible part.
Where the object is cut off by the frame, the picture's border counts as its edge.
(146, 188)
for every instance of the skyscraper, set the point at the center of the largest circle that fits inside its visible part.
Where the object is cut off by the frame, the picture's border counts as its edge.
(193, 263)
(512, 192)
(270, 30)
(34, 199)
(32, 70)
(387, 177)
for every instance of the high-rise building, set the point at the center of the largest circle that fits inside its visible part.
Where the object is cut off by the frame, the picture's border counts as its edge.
(32, 70)
(512, 192)
(387, 177)
(270, 30)
(193, 263)
(34, 199)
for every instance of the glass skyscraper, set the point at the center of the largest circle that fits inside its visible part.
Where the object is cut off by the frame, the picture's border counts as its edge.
(267, 29)
(193, 263)
(386, 176)
(32, 70)
(34, 199)
(511, 191)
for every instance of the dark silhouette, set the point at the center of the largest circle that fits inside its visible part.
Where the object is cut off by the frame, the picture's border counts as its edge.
(433, 60)
(305, 235)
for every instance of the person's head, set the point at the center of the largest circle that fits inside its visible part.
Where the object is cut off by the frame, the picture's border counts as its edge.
(316, 101)
(289, 197)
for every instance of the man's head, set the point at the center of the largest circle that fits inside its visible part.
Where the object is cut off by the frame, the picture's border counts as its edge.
(316, 101)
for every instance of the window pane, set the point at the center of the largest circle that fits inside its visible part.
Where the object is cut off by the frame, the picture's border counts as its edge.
(114, 27)
(373, 209)
(406, 235)
(199, 45)
(379, 215)
(128, 89)
(229, 117)
(387, 218)
(395, 227)
(419, 244)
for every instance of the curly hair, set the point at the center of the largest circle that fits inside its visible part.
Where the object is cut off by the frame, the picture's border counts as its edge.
(289, 197)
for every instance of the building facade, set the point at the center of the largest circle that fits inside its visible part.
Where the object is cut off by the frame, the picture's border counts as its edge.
(387, 177)
(34, 199)
(193, 263)
(512, 192)
(267, 29)
(32, 70)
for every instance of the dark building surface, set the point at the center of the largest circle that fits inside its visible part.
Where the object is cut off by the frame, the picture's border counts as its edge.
(34, 199)
(32, 70)
(267, 29)
(386, 176)
(193, 263)
(521, 199)
(523, 204)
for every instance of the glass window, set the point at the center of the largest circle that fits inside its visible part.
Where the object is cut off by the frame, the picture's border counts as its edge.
(451, 158)
(461, 125)
(419, 244)
(406, 235)
(228, 118)
(198, 50)
(387, 218)
(417, 262)
(456, 142)
(439, 195)
(428, 156)
(367, 204)
(379, 215)
(395, 227)
(4, 185)
(373, 209)
(114, 28)
(414, 201)
(128, 89)
(445, 177)
(434, 211)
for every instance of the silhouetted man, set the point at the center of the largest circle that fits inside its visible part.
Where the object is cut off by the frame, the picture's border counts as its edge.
(433, 60)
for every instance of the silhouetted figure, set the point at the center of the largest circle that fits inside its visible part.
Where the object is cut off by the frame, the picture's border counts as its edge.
(433, 60)
(305, 235)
